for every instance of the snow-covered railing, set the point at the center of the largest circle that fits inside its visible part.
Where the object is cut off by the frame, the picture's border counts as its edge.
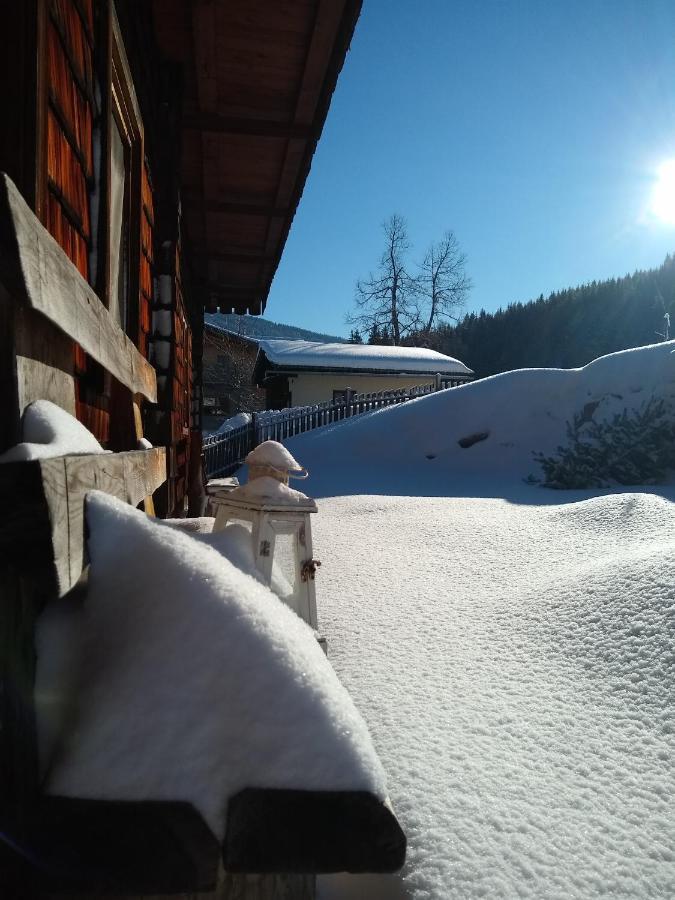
(225, 450)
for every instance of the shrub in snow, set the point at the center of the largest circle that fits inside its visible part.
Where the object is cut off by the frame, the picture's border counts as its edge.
(632, 447)
(47, 431)
(195, 680)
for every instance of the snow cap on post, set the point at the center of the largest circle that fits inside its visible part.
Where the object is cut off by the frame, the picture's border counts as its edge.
(271, 459)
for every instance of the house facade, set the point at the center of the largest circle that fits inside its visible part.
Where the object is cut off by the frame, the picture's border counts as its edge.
(152, 156)
(228, 388)
(303, 373)
(164, 145)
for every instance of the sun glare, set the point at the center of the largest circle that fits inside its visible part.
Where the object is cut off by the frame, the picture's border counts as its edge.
(663, 193)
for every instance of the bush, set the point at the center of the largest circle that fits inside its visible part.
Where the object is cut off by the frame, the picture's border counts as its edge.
(636, 447)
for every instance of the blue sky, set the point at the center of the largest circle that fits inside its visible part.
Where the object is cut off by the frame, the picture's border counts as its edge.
(532, 129)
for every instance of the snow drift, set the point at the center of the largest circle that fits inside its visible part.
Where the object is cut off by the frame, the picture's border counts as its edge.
(194, 682)
(515, 664)
(511, 648)
(414, 447)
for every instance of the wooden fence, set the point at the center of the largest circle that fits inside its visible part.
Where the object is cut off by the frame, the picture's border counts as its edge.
(225, 452)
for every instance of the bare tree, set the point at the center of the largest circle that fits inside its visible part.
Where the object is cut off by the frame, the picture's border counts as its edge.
(387, 299)
(442, 282)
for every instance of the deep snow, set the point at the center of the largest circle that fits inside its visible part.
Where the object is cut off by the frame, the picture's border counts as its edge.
(514, 664)
(511, 648)
(413, 448)
(194, 680)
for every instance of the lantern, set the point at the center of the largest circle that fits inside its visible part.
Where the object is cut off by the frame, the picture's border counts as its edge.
(281, 530)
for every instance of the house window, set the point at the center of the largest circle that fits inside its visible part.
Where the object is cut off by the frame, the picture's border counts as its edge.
(126, 160)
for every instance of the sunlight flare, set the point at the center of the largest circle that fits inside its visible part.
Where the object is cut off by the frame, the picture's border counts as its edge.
(663, 193)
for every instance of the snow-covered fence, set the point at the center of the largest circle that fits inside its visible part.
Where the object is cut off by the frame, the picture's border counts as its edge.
(225, 450)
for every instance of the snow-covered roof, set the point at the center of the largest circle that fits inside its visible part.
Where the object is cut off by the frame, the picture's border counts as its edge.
(360, 357)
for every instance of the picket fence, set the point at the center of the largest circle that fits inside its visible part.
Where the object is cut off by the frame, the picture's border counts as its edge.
(225, 451)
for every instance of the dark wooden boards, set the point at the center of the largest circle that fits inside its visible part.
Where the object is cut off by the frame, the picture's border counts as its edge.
(35, 272)
(311, 831)
(102, 847)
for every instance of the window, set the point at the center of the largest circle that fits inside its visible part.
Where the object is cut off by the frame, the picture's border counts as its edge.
(125, 173)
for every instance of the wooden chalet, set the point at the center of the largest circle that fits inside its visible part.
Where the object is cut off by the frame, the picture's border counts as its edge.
(165, 146)
(154, 153)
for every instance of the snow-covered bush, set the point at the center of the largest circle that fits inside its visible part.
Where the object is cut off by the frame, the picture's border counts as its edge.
(632, 447)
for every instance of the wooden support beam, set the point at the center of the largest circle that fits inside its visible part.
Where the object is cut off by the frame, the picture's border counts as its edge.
(232, 207)
(311, 831)
(45, 507)
(233, 256)
(233, 292)
(96, 847)
(36, 272)
(254, 127)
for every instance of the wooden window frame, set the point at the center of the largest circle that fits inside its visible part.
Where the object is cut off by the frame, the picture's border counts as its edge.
(124, 108)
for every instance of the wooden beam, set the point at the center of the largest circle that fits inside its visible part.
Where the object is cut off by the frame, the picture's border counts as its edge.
(35, 271)
(232, 207)
(311, 831)
(117, 847)
(235, 256)
(45, 507)
(231, 291)
(217, 124)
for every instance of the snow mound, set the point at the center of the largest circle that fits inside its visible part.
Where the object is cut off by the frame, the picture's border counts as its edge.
(522, 700)
(195, 681)
(50, 431)
(514, 414)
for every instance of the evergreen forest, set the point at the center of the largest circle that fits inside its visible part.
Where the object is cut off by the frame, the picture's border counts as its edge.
(565, 330)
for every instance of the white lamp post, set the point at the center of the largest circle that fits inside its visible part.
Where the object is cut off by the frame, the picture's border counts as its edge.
(275, 512)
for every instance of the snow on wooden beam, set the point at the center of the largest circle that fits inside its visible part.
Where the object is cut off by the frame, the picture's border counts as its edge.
(35, 271)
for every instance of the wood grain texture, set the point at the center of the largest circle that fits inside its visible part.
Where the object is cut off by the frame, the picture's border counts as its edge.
(35, 271)
(45, 526)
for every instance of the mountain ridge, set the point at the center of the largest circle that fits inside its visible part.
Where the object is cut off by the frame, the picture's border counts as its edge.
(263, 329)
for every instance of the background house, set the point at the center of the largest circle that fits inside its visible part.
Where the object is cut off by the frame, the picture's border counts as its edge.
(227, 376)
(300, 373)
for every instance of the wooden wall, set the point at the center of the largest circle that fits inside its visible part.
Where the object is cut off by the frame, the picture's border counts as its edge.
(76, 66)
(70, 106)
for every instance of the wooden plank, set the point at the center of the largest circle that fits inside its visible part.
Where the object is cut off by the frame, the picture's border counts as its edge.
(326, 27)
(43, 524)
(128, 476)
(311, 831)
(44, 361)
(107, 848)
(256, 127)
(35, 270)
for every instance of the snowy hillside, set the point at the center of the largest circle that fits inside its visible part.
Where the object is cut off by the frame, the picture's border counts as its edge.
(414, 447)
(512, 648)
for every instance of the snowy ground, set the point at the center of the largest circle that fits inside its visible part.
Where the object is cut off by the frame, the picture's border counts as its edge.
(511, 648)
(514, 664)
